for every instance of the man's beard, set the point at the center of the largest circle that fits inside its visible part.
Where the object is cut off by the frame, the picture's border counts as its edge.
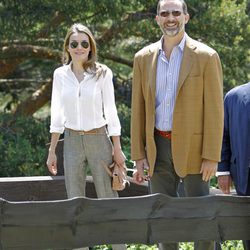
(172, 32)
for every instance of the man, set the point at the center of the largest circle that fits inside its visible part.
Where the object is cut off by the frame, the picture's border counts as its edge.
(235, 156)
(177, 110)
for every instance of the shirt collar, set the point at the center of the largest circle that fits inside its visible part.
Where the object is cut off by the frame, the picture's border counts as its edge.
(69, 67)
(180, 45)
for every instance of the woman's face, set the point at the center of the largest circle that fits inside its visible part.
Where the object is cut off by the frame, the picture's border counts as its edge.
(79, 47)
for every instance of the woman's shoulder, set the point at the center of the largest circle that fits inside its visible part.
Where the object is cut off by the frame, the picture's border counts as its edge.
(103, 66)
(61, 70)
(103, 70)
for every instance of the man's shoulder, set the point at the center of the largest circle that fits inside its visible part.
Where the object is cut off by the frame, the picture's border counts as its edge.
(238, 90)
(200, 47)
(148, 49)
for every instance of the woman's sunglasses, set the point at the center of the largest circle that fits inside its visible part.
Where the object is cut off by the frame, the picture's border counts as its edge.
(74, 44)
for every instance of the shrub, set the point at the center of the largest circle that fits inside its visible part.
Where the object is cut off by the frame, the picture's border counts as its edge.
(23, 146)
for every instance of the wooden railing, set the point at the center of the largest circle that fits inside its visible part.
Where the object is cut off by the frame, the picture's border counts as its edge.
(48, 188)
(27, 221)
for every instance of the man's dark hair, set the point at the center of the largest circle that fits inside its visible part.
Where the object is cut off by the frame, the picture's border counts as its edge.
(184, 6)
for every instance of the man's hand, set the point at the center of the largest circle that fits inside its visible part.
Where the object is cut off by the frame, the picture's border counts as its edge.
(208, 169)
(139, 175)
(224, 183)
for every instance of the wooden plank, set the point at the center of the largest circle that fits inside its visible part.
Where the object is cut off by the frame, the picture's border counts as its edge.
(148, 219)
(47, 188)
(32, 188)
(41, 188)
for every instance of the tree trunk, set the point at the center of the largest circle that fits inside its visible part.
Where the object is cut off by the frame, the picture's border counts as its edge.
(35, 101)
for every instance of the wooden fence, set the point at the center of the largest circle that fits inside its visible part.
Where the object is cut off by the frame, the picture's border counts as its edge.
(49, 188)
(34, 223)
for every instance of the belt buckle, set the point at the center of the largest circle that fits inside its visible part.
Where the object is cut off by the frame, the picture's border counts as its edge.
(168, 135)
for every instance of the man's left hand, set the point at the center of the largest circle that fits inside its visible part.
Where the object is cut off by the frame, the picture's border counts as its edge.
(208, 169)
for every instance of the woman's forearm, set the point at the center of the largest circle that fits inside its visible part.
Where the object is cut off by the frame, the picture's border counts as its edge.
(116, 142)
(53, 142)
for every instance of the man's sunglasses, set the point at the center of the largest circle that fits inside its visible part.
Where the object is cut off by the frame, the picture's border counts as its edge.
(166, 13)
(74, 44)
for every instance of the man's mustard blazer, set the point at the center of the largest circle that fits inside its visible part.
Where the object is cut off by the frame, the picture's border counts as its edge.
(197, 126)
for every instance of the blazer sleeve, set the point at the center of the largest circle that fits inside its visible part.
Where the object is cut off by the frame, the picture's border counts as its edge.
(213, 109)
(226, 152)
(138, 116)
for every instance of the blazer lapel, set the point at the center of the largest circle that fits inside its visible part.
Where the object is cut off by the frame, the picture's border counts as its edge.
(187, 62)
(152, 70)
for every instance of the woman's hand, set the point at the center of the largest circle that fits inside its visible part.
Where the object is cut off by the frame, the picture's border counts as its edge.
(52, 159)
(52, 163)
(119, 157)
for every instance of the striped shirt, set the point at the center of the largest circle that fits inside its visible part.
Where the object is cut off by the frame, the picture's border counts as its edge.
(167, 76)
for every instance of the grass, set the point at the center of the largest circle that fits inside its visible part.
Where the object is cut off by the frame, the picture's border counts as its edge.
(227, 245)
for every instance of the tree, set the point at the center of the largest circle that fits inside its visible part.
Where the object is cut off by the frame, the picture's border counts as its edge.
(32, 38)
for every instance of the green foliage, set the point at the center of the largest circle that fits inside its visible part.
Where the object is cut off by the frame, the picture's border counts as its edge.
(124, 113)
(227, 245)
(232, 245)
(122, 28)
(23, 147)
(225, 26)
(213, 182)
(142, 247)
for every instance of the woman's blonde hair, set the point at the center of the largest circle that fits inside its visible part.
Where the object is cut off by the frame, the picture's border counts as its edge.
(91, 64)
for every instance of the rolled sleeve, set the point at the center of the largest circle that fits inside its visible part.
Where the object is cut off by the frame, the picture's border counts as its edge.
(110, 111)
(57, 109)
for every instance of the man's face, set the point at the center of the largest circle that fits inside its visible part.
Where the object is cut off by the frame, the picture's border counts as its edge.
(171, 18)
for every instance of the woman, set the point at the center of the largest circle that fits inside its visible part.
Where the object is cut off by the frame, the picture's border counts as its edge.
(83, 107)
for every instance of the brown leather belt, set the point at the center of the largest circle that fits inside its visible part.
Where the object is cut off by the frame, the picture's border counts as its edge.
(165, 134)
(95, 131)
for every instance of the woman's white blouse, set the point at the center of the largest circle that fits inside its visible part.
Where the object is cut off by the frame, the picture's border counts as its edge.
(83, 106)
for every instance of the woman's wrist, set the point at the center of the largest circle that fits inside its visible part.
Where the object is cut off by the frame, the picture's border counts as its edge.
(52, 150)
(117, 148)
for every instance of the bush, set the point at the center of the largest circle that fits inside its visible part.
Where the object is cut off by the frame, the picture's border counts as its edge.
(124, 113)
(23, 146)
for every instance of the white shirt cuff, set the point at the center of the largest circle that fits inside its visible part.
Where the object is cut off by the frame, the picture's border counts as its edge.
(222, 173)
